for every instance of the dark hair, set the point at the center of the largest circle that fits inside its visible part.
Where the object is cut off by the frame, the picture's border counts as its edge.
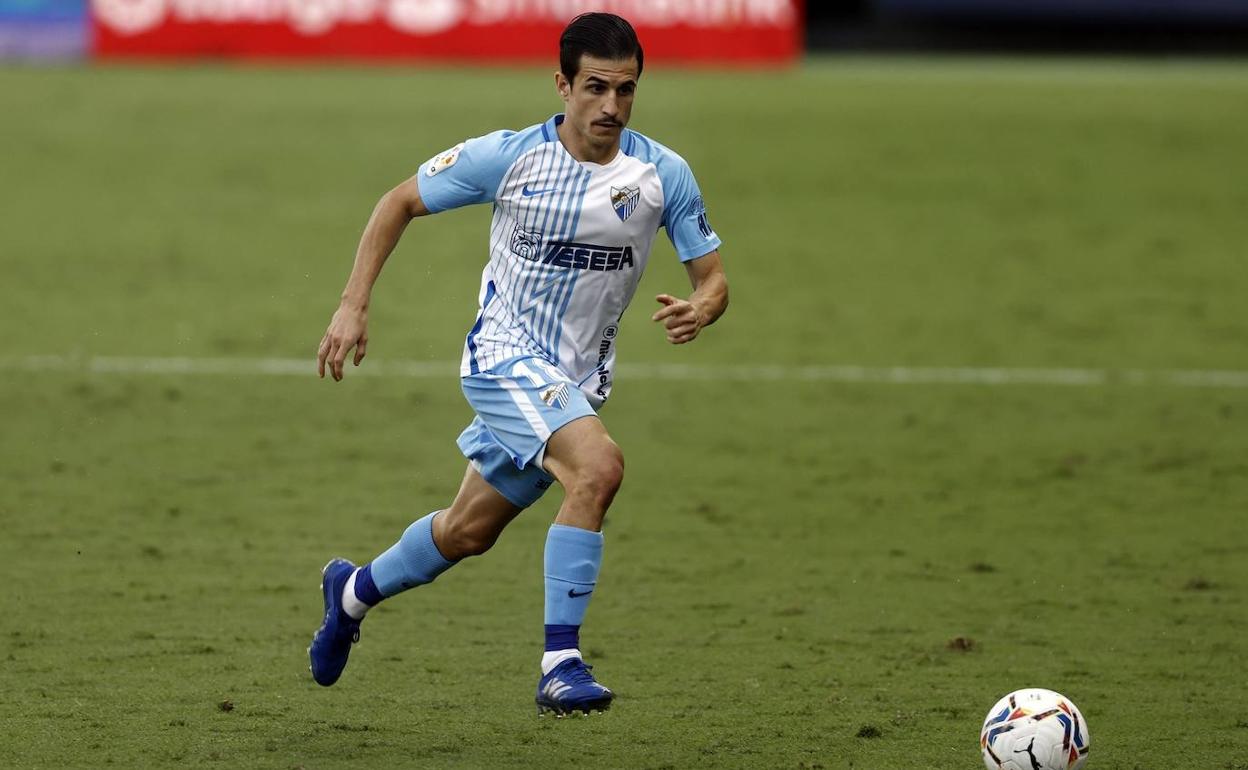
(601, 35)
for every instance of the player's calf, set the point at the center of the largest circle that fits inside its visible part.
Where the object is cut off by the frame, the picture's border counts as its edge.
(460, 534)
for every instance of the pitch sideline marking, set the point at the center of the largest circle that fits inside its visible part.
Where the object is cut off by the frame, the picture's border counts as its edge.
(892, 375)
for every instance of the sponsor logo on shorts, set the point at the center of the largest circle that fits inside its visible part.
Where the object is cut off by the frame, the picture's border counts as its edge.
(586, 256)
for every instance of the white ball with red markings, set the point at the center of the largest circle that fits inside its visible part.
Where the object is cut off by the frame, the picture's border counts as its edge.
(1034, 729)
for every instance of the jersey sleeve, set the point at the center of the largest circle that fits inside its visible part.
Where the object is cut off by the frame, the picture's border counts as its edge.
(467, 173)
(684, 213)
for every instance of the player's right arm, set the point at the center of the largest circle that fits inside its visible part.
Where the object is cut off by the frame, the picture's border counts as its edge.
(349, 327)
(465, 174)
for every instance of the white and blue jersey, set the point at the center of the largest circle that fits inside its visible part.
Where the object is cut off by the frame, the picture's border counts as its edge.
(568, 242)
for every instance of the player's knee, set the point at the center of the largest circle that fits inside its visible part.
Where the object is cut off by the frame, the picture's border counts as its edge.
(602, 474)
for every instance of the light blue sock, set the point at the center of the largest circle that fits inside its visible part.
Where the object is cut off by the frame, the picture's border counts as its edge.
(573, 557)
(413, 561)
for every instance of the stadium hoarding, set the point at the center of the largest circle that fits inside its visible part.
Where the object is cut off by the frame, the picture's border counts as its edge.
(744, 32)
(43, 29)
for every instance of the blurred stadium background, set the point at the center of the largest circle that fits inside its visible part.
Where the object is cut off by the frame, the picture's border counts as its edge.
(711, 30)
(975, 420)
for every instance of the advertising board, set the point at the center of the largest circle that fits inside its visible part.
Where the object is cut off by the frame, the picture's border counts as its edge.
(711, 31)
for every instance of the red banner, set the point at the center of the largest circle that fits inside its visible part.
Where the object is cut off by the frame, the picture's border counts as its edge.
(706, 31)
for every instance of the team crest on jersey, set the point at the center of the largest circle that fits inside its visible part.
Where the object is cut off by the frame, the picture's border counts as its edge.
(556, 396)
(624, 200)
(443, 160)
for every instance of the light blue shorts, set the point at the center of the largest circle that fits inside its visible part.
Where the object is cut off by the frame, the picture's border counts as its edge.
(519, 404)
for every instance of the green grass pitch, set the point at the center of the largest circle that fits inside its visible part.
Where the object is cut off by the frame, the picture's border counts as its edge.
(790, 564)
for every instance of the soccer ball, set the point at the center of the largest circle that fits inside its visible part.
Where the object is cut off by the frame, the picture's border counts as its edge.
(1034, 729)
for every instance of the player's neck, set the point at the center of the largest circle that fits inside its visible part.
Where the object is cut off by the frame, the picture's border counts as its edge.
(582, 150)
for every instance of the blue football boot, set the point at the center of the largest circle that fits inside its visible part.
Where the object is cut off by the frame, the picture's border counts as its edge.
(332, 642)
(569, 688)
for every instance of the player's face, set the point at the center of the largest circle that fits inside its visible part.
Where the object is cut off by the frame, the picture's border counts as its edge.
(599, 100)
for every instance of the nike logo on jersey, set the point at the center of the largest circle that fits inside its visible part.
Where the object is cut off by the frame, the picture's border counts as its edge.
(530, 193)
(572, 593)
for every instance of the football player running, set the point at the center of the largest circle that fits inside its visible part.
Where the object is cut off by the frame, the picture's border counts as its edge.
(578, 201)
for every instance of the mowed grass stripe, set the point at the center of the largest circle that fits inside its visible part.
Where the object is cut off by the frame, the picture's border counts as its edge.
(848, 373)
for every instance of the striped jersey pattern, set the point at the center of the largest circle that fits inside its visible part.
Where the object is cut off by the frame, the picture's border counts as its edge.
(535, 297)
(569, 241)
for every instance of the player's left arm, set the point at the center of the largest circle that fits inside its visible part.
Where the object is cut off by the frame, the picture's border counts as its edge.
(684, 319)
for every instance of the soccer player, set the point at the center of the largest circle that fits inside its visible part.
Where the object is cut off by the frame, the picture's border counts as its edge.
(578, 201)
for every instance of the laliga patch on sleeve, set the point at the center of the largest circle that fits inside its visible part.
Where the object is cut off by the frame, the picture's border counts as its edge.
(443, 160)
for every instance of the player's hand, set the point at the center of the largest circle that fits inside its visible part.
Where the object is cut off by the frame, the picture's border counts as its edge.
(348, 329)
(679, 317)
